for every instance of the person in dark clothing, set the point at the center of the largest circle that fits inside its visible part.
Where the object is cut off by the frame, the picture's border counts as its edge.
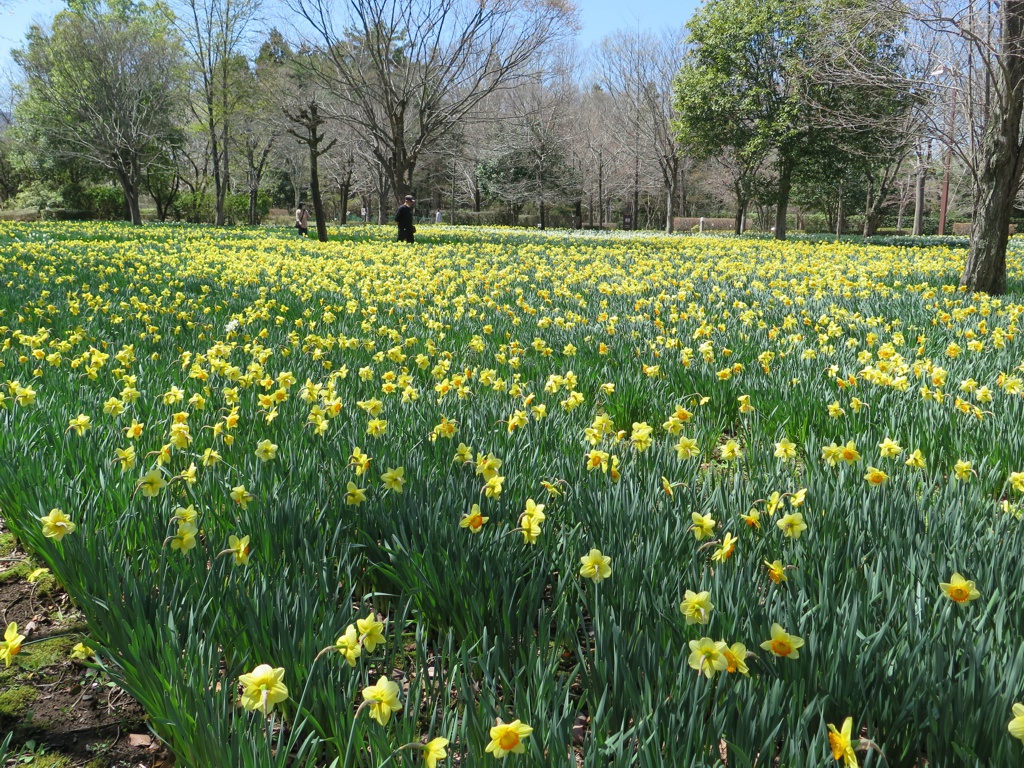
(403, 217)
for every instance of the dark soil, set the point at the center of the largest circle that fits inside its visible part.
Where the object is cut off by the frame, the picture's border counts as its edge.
(61, 712)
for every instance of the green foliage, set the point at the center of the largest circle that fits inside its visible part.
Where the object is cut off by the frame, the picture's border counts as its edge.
(237, 207)
(485, 625)
(102, 88)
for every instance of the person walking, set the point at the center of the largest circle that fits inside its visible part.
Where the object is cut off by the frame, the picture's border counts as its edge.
(403, 217)
(302, 220)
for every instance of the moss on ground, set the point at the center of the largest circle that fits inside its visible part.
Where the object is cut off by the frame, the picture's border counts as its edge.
(46, 653)
(16, 700)
(18, 572)
(8, 543)
(50, 761)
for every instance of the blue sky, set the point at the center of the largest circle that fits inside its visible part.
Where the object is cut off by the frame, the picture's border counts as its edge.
(598, 17)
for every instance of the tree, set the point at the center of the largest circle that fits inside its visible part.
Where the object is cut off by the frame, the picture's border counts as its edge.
(997, 175)
(866, 96)
(307, 121)
(412, 70)
(259, 122)
(104, 87)
(637, 69)
(215, 33)
(742, 86)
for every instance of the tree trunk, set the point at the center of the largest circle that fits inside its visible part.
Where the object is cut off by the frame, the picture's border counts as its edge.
(782, 203)
(253, 209)
(344, 198)
(999, 177)
(919, 201)
(314, 192)
(670, 198)
(741, 210)
(131, 198)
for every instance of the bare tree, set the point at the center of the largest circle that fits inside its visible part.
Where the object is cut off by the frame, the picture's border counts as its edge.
(308, 119)
(637, 69)
(977, 85)
(215, 34)
(414, 69)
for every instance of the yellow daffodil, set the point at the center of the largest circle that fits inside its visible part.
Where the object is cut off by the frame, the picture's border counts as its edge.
(730, 450)
(959, 590)
(493, 487)
(1016, 725)
(79, 424)
(383, 699)
(687, 448)
(696, 607)
(239, 547)
(266, 450)
(394, 479)
(783, 644)
(736, 659)
(354, 495)
(752, 519)
(785, 450)
(348, 645)
(152, 483)
(915, 460)
(792, 525)
(241, 496)
(842, 744)
(776, 571)
(434, 750)
(889, 448)
(263, 688)
(703, 525)
(82, 652)
(875, 476)
(849, 452)
(707, 656)
(725, 549)
(595, 566)
(11, 645)
(474, 521)
(57, 525)
(508, 738)
(371, 632)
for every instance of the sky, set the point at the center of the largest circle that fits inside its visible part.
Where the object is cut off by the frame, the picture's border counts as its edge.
(598, 18)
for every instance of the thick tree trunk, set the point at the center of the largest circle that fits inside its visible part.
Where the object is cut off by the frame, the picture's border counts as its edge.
(999, 176)
(782, 202)
(741, 210)
(314, 192)
(254, 214)
(128, 178)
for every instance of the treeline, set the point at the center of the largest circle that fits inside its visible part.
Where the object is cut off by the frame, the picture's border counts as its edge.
(489, 112)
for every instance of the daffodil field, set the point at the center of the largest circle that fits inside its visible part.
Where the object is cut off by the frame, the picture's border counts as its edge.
(544, 499)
